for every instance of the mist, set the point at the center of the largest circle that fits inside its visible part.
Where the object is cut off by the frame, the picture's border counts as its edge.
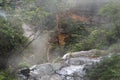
(36, 52)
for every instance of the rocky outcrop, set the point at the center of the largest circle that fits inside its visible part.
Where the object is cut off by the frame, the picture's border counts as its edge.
(72, 67)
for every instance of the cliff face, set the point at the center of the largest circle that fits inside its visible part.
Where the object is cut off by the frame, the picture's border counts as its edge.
(73, 66)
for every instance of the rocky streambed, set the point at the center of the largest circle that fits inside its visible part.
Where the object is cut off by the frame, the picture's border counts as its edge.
(72, 66)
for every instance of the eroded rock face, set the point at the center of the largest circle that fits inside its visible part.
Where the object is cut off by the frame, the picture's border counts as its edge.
(72, 68)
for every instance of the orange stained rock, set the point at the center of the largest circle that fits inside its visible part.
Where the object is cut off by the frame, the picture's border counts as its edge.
(62, 38)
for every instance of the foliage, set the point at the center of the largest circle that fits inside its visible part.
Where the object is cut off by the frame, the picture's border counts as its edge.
(6, 4)
(108, 69)
(27, 11)
(75, 27)
(7, 75)
(112, 11)
(114, 48)
(11, 37)
(96, 39)
(76, 31)
(24, 64)
(109, 9)
(101, 37)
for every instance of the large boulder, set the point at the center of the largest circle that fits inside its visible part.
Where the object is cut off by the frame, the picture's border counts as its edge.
(70, 68)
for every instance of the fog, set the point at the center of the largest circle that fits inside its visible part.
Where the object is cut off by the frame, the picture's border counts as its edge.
(36, 52)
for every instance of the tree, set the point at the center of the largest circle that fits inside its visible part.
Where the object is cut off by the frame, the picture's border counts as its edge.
(11, 38)
(108, 69)
(112, 11)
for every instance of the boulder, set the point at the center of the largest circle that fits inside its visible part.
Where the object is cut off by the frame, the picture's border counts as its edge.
(72, 68)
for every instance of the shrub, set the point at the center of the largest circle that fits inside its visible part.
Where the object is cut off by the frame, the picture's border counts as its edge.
(24, 64)
(115, 48)
(108, 69)
(11, 37)
(112, 11)
(96, 39)
(7, 75)
(77, 31)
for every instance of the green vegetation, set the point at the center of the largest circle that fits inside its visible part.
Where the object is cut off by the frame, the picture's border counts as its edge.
(112, 11)
(108, 69)
(81, 35)
(78, 31)
(100, 37)
(11, 37)
(6, 75)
